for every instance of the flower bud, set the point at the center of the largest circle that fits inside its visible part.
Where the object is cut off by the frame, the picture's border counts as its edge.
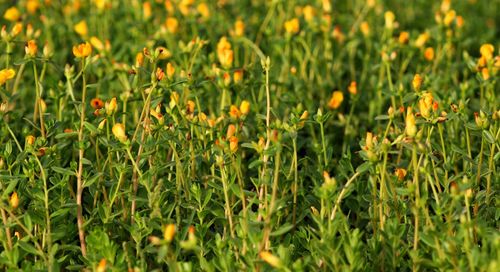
(31, 48)
(111, 106)
(269, 258)
(411, 127)
(169, 233)
(244, 107)
(119, 132)
(14, 200)
(233, 144)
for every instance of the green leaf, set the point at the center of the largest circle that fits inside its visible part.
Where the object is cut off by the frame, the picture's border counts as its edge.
(28, 248)
(282, 230)
(10, 188)
(363, 167)
(382, 117)
(63, 171)
(66, 135)
(91, 128)
(255, 163)
(488, 137)
(27, 222)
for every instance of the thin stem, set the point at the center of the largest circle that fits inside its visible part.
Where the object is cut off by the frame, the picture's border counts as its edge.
(480, 163)
(323, 143)
(491, 168)
(417, 195)
(47, 213)
(342, 193)
(267, 227)
(38, 102)
(295, 181)
(79, 182)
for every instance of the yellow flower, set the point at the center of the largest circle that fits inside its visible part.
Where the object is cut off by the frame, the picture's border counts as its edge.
(487, 50)
(157, 114)
(449, 17)
(234, 112)
(353, 88)
(185, 6)
(163, 53)
(269, 258)
(31, 48)
(411, 127)
(111, 106)
(170, 70)
(16, 29)
(369, 141)
(190, 106)
(146, 10)
(32, 6)
(226, 79)
(404, 37)
(337, 34)
(101, 267)
(429, 53)
(238, 76)
(244, 107)
(445, 5)
(292, 26)
(460, 21)
(81, 28)
(417, 82)
(169, 6)
(365, 28)
(327, 6)
(30, 139)
(223, 44)
(174, 99)
(12, 14)
(98, 44)
(6, 74)
(231, 130)
(203, 9)
(100, 4)
(233, 143)
(422, 39)
(224, 52)
(303, 118)
(172, 25)
(14, 200)
(82, 50)
(159, 74)
(239, 28)
(425, 104)
(43, 106)
(139, 59)
(119, 132)
(169, 233)
(226, 57)
(485, 73)
(309, 13)
(400, 173)
(390, 18)
(336, 100)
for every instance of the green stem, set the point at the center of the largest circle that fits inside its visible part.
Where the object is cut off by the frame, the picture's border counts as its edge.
(79, 182)
(342, 193)
(38, 102)
(323, 143)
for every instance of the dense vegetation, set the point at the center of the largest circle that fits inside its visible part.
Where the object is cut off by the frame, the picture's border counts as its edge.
(189, 135)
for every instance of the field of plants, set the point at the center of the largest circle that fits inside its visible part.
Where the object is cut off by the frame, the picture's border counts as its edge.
(249, 135)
